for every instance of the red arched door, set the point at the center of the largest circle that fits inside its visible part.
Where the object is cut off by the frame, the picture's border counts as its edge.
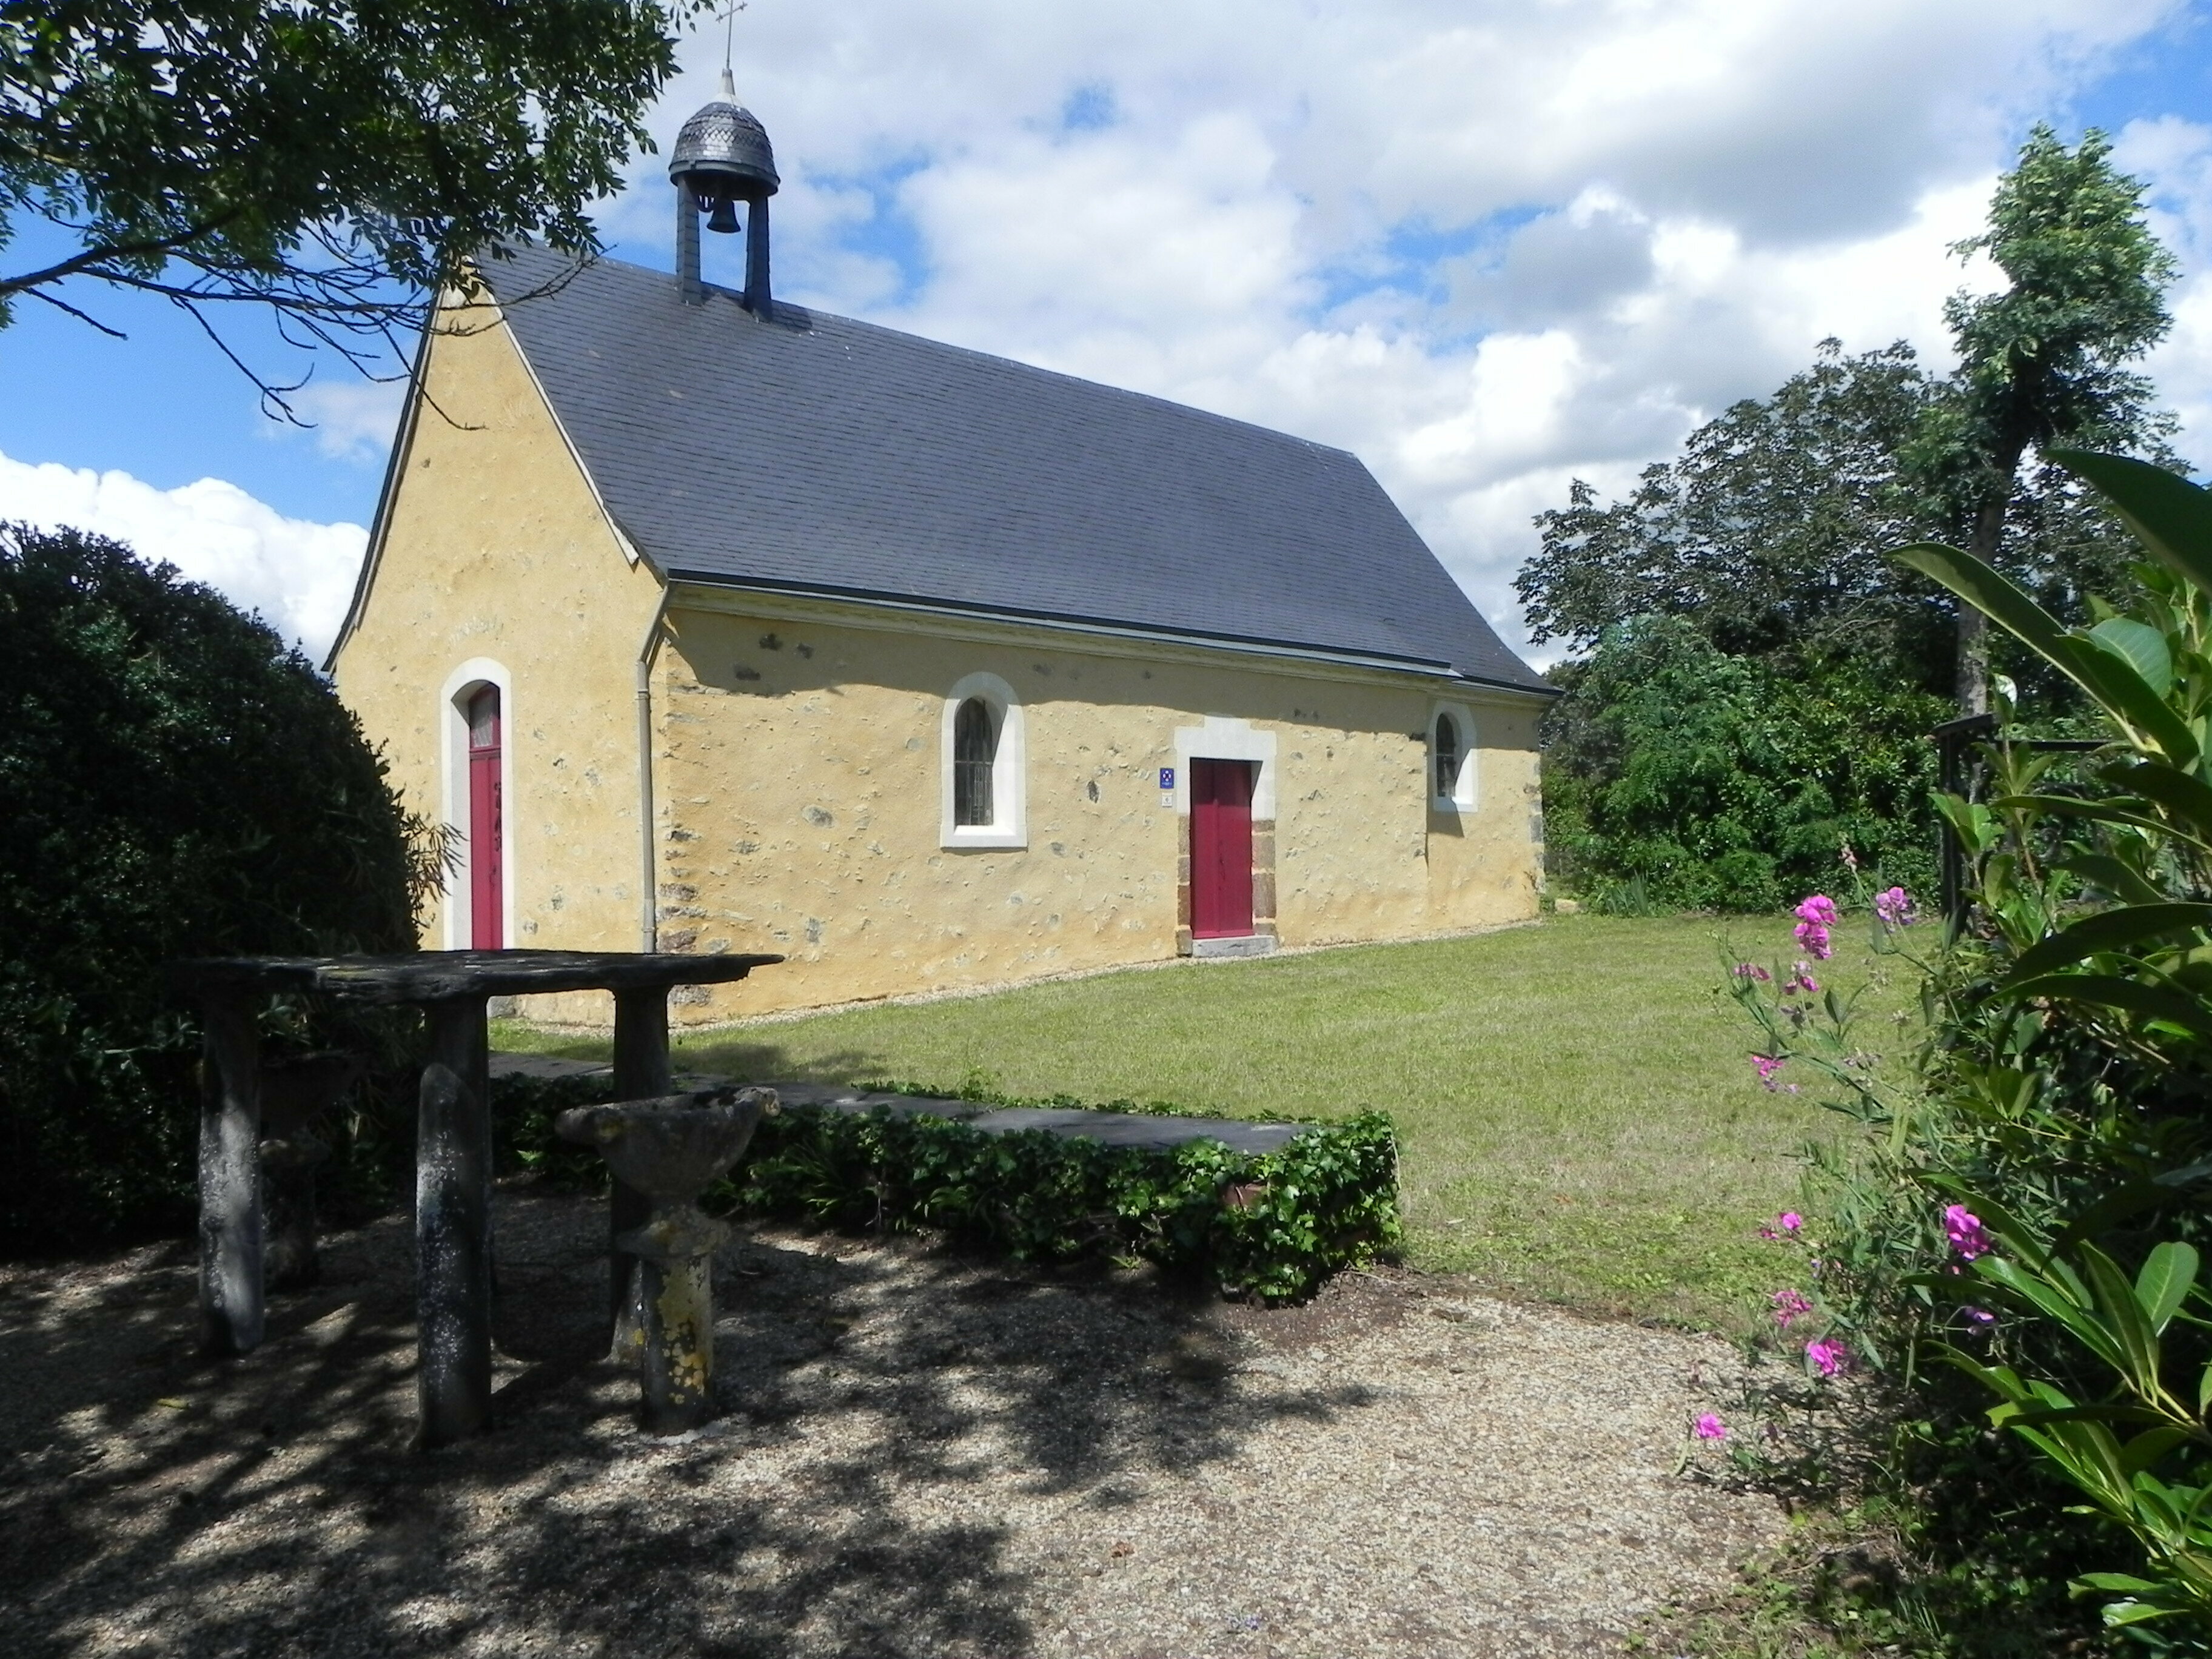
(487, 888)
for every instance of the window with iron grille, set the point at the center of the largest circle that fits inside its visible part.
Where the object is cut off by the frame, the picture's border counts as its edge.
(1448, 757)
(975, 750)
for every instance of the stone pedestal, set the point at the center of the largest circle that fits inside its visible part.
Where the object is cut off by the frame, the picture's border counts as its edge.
(669, 1151)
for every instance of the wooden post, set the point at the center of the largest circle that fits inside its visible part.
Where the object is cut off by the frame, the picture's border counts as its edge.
(452, 1226)
(230, 1179)
(640, 1073)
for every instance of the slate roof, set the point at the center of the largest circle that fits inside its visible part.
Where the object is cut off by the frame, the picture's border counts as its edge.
(824, 456)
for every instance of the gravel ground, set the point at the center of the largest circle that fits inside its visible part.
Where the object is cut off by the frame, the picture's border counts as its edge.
(924, 1455)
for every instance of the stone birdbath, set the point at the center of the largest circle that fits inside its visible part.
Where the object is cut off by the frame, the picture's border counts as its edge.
(670, 1150)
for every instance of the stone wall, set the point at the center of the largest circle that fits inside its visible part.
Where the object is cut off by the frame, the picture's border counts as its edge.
(800, 802)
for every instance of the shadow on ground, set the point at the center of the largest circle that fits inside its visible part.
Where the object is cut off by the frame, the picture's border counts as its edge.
(894, 1416)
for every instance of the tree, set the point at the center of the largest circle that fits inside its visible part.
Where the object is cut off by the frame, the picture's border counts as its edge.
(335, 160)
(2043, 362)
(1766, 533)
(1678, 777)
(174, 782)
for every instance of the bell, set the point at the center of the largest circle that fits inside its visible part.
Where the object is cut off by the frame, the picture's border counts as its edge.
(725, 217)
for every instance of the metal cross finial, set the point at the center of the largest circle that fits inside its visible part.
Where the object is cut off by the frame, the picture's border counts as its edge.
(729, 37)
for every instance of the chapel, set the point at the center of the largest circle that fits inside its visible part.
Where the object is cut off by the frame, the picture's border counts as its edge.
(710, 621)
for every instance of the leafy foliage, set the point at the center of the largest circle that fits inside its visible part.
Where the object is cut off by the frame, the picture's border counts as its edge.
(337, 161)
(175, 782)
(2050, 1155)
(1767, 539)
(1273, 1226)
(1766, 533)
(2043, 359)
(1680, 777)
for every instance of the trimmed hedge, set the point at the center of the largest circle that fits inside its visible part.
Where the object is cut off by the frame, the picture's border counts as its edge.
(1272, 1226)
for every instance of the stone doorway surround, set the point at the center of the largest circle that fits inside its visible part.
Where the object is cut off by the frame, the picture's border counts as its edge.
(1222, 738)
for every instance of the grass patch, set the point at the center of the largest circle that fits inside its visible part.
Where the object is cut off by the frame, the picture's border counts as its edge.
(1576, 1119)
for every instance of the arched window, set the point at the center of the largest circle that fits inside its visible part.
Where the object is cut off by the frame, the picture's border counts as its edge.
(982, 793)
(975, 750)
(1452, 745)
(1448, 757)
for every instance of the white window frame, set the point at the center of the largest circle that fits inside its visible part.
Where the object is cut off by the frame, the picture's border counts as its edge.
(463, 682)
(1009, 827)
(1464, 796)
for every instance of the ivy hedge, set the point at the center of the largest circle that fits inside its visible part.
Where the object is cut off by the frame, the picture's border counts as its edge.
(1272, 1226)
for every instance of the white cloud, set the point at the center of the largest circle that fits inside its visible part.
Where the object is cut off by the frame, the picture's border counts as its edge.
(350, 420)
(298, 576)
(2175, 157)
(1487, 247)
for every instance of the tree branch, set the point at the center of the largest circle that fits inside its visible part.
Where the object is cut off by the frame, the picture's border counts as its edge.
(86, 259)
(82, 316)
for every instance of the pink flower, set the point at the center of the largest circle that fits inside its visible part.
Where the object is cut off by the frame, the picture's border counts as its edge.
(1801, 979)
(1790, 1221)
(1895, 907)
(1789, 1305)
(1711, 1427)
(1815, 915)
(1980, 1318)
(1850, 858)
(1967, 1235)
(1752, 970)
(1766, 1066)
(1828, 1356)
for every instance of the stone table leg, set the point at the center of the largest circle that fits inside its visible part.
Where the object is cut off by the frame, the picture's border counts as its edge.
(230, 1180)
(640, 1073)
(452, 1226)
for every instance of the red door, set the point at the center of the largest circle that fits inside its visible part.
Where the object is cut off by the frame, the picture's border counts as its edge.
(1220, 850)
(486, 888)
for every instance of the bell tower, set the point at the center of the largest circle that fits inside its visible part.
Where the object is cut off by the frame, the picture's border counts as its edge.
(722, 158)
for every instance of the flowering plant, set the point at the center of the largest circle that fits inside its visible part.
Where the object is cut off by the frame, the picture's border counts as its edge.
(2141, 1482)
(1801, 1017)
(2056, 1098)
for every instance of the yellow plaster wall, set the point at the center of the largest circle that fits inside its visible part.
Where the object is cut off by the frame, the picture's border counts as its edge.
(798, 779)
(495, 547)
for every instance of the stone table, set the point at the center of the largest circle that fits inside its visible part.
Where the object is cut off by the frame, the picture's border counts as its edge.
(452, 1182)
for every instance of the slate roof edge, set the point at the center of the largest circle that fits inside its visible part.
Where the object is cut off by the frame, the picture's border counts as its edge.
(1428, 667)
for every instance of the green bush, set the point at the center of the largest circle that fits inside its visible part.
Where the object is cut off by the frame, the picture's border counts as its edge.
(1273, 1226)
(1678, 777)
(174, 782)
(2029, 1205)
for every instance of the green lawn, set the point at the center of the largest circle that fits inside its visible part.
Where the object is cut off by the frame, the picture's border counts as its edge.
(1578, 1119)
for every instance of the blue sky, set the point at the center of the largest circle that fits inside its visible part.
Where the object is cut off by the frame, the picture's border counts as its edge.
(1487, 247)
